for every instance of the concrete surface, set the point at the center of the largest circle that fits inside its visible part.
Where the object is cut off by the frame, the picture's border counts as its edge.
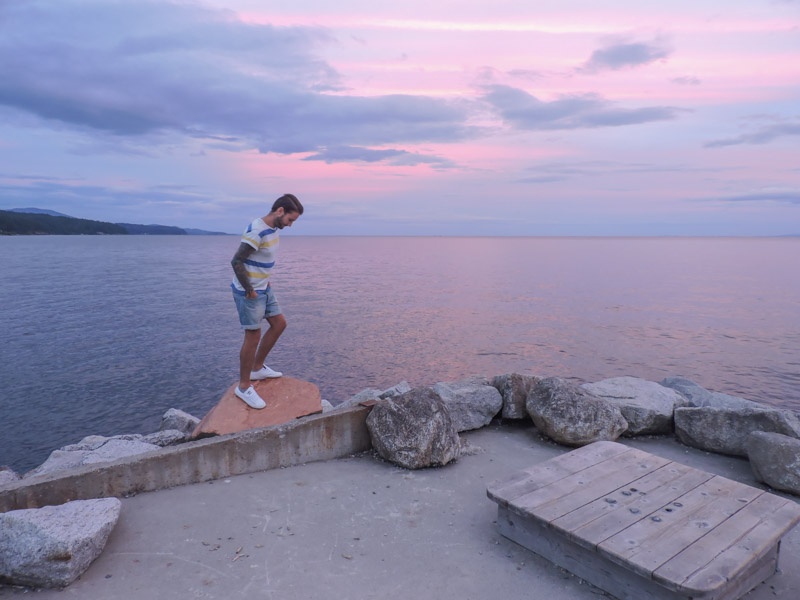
(357, 528)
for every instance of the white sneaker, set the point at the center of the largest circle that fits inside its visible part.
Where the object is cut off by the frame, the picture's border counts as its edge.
(250, 397)
(265, 373)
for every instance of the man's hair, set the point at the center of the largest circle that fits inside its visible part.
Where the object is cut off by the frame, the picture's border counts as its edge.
(289, 203)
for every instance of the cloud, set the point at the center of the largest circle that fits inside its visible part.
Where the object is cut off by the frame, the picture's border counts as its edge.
(764, 135)
(625, 55)
(788, 196)
(543, 179)
(686, 80)
(567, 170)
(524, 111)
(529, 74)
(140, 68)
(388, 156)
(47, 192)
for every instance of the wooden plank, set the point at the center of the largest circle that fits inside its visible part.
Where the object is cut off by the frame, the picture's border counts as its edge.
(654, 492)
(760, 540)
(567, 494)
(552, 470)
(618, 500)
(699, 554)
(693, 528)
(651, 542)
(750, 578)
(586, 564)
(647, 531)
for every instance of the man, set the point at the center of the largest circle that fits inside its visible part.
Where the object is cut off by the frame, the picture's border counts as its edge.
(252, 267)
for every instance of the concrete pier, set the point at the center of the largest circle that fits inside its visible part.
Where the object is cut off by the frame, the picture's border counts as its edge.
(355, 527)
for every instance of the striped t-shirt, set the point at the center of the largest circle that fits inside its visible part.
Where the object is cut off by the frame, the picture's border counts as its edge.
(259, 264)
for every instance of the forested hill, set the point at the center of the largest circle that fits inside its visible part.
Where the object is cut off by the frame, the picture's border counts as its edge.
(21, 223)
(134, 229)
(14, 223)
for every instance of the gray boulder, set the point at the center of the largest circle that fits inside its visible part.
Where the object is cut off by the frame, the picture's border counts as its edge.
(59, 460)
(647, 406)
(373, 394)
(414, 430)
(167, 437)
(775, 460)
(362, 396)
(52, 546)
(326, 406)
(177, 419)
(477, 380)
(8, 475)
(725, 430)
(89, 443)
(471, 403)
(699, 396)
(514, 388)
(395, 390)
(95, 450)
(116, 448)
(570, 415)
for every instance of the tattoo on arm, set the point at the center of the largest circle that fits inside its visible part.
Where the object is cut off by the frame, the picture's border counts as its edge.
(242, 254)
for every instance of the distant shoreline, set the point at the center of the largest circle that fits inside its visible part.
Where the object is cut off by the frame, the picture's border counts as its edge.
(36, 221)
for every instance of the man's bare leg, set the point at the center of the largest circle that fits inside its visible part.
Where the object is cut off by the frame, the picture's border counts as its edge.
(247, 356)
(277, 325)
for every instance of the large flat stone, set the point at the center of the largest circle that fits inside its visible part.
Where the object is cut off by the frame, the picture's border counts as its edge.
(287, 398)
(647, 406)
(52, 546)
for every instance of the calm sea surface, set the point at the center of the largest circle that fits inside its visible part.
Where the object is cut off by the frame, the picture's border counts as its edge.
(102, 334)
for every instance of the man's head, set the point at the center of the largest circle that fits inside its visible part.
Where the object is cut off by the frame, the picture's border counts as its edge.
(286, 211)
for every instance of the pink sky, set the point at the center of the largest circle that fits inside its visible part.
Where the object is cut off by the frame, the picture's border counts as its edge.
(444, 117)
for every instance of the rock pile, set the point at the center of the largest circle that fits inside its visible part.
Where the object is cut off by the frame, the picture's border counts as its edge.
(176, 426)
(575, 415)
(53, 545)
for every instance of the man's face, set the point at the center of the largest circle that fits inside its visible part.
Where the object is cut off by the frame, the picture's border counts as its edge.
(286, 219)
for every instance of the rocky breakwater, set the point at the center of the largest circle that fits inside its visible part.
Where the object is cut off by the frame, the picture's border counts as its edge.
(576, 415)
(53, 545)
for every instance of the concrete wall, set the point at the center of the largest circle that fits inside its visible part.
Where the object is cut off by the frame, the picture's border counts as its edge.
(318, 437)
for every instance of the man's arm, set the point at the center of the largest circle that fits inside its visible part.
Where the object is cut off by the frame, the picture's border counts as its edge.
(242, 254)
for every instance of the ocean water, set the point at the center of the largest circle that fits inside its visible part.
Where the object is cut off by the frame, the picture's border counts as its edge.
(102, 334)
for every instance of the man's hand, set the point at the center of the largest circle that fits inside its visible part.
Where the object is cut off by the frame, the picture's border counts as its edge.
(251, 293)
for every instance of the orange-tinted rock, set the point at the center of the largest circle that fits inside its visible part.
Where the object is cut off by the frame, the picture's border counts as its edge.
(287, 398)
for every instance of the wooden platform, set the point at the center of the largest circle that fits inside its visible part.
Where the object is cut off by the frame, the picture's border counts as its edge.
(643, 527)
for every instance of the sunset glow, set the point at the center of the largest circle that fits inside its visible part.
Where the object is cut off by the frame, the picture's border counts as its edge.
(626, 119)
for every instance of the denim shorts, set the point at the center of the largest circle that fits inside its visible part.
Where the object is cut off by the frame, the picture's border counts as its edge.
(253, 310)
